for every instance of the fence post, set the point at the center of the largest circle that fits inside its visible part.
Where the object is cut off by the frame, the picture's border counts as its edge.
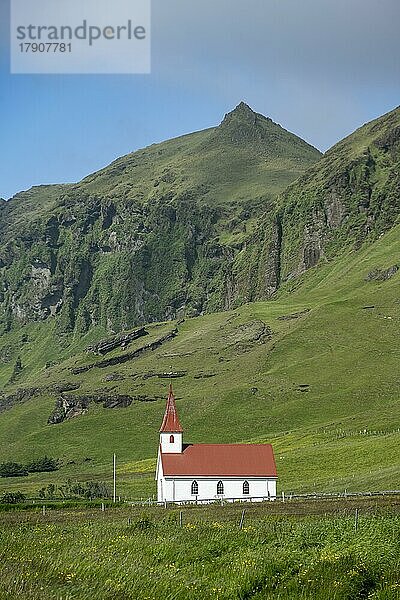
(103, 508)
(356, 520)
(44, 510)
(114, 478)
(283, 496)
(180, 518)
(242, 519)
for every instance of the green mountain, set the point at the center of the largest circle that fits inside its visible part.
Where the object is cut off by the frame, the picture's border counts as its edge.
(314, 369)
(152, 236)
(348, 198)
(352, 197)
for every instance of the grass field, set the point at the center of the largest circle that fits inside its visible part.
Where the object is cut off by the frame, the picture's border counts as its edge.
(281, 552)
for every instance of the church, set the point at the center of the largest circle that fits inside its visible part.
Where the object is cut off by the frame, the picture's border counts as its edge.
(209, 472)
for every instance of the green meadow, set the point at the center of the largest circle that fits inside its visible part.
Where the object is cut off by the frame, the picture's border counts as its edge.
(125, 553)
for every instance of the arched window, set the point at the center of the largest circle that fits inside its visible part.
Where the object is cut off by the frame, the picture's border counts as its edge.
(171, 439)
(195, 488)
(220, 488)
(246, 487)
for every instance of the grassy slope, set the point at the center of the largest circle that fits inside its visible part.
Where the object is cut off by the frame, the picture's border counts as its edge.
(342, 433)
(208, 165)
(246, 157)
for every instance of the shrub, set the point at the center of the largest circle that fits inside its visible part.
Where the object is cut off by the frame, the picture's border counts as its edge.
(13, 498)
(12, 469)
(143, 524)
(90, 490)
(43, 465)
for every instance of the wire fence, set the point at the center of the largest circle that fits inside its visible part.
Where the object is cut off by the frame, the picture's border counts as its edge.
(280, 498)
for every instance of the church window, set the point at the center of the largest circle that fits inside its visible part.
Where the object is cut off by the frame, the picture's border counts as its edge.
(195, 488)
(246, 487)
(171, 439)
(220, 487)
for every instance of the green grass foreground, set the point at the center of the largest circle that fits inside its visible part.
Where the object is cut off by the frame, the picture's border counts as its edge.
(124, 553)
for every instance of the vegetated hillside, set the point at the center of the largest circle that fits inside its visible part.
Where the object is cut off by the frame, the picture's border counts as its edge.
(314, 372)
(353, 197)
(152, 236)
(350, 197)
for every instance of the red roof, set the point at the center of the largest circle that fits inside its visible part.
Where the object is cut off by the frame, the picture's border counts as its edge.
(221, 460)
(171, 422)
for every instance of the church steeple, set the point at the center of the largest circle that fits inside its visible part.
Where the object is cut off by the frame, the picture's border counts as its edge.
(171, 429)
(171, 423)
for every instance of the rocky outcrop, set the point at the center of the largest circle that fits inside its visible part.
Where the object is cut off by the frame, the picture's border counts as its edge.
(382, 274)
(203, 375)
(123, 358)
(114, 377)
(42, 297)
(119, 341)
(7, 401)
(67, 408)
(21, 395)
(272, 263)
(70, 406)
(312, 249)
(245, 336)
(293, 316)
(335, 210)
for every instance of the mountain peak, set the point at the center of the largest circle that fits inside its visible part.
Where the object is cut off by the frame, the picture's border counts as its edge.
(243, 108)
(244, 125)
(242, 113)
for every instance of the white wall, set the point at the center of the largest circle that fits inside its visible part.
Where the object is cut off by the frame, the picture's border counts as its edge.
(167, 447)
(179, 489)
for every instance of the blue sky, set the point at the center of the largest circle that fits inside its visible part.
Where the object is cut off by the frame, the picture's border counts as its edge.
(320, 68)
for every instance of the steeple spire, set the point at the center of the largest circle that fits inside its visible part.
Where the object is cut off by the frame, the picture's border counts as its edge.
(171, 423)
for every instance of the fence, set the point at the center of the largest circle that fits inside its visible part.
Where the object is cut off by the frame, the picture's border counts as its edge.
(279, 498)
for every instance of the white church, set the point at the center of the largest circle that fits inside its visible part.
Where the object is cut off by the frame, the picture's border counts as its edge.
(209, 472)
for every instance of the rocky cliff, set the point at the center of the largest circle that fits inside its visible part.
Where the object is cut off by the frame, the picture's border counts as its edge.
(351, 197)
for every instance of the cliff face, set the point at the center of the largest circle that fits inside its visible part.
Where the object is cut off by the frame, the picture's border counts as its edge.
(350, 197)
(153, 236)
